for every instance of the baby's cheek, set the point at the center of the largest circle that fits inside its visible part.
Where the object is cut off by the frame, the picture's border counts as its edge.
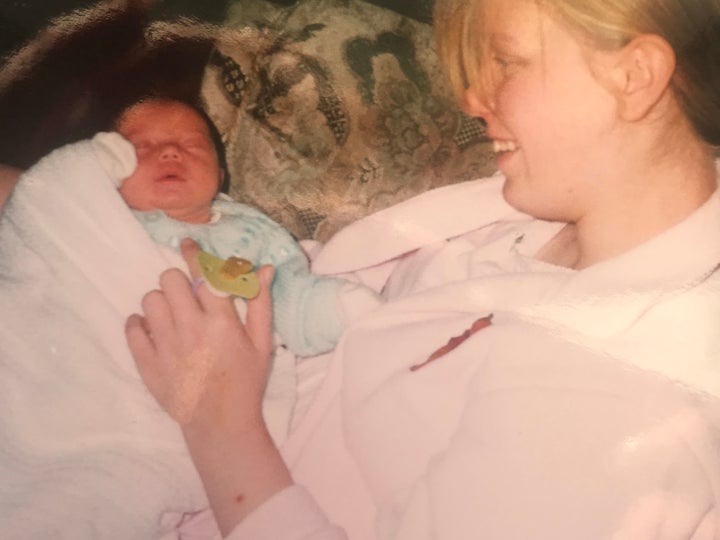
(134, 192)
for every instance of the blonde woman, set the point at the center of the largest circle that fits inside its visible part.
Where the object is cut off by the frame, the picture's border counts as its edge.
(550, 370)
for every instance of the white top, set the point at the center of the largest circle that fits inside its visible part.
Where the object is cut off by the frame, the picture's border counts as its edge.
(585, 410)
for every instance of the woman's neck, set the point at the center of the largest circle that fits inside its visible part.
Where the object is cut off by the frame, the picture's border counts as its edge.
(651, 199)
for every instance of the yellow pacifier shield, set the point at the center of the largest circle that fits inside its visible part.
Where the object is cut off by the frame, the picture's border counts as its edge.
(231, 276)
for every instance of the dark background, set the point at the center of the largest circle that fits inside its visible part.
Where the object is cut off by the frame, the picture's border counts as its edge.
(21, 19)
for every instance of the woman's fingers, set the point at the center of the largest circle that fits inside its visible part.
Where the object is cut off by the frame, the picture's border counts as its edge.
(191, 348)
(138, 338)
(149, 363)
(258, 326)
(159, 320)
(208, 300)
(190, 249)
(259, 314)
(179, 295)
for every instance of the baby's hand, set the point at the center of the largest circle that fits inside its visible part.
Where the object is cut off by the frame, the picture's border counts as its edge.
(116, 154)
(195, 355)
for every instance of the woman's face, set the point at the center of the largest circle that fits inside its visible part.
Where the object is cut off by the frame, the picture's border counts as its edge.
(551, 118)
(178, 170)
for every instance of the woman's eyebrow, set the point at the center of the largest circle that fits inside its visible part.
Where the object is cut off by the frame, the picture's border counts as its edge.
(502, 39)
(501, 36)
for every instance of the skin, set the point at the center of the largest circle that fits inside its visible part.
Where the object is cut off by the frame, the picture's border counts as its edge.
(178, 169)
(222, 423)
(588, 126)
(8, 178)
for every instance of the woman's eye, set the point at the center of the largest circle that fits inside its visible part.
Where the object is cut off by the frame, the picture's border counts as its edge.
(504, 62)
(506, 66)
(501, 61)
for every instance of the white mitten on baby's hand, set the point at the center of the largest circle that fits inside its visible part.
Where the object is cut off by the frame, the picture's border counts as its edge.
(116, 154)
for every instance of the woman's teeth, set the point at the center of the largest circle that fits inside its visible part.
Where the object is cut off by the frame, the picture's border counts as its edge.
(504, 146)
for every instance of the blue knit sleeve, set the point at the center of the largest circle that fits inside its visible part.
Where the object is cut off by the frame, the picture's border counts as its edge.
(306, 311)
(306, 308)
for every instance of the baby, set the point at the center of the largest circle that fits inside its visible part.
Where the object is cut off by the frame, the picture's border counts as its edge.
(75, 264)
(174, 193)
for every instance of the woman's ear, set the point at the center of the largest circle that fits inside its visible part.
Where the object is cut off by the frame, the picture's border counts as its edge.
(473, 104)
(640, 75)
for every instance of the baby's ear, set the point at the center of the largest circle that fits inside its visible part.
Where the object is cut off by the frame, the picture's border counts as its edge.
(640, 75)
(116, 154)
(223, 181)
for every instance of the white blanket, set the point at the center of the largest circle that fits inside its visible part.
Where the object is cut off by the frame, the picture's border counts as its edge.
(85, 451)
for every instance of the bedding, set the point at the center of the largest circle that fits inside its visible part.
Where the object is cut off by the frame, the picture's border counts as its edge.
(331, 110)
(603, 391)
(85, 451)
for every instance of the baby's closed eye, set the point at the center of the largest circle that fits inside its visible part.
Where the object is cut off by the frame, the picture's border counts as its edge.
(141, 146)
(196, 142)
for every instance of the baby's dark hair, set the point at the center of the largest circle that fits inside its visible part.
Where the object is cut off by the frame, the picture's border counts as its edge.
(215, 136)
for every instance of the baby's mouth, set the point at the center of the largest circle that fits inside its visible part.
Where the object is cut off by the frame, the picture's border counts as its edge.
(170, 178)
(501, 146)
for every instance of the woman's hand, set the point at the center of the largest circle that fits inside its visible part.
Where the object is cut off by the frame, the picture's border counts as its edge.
(193, 352)
(209, 370)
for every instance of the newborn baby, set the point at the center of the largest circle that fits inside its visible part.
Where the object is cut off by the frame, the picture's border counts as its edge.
(174, 192)
(84, 443)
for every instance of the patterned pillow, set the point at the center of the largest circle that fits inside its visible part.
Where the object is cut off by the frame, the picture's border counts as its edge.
(333, 109)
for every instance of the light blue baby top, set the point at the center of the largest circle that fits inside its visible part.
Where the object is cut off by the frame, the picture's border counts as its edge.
(306, 312)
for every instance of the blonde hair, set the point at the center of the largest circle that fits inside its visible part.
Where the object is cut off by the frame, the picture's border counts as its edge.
(691, 27)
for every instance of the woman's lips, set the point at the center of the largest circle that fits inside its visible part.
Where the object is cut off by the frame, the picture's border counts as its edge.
(504, 150)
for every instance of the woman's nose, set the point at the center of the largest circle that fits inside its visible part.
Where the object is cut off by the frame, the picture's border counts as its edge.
(169, 151)
(475, 104)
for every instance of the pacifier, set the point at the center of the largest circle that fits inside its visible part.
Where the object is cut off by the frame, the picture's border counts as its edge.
(231, 276)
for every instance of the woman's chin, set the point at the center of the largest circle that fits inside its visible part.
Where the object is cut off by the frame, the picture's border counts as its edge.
(513, 195)
(522, 199)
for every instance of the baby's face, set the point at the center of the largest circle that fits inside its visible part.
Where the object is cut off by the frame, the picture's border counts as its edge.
(178, 169)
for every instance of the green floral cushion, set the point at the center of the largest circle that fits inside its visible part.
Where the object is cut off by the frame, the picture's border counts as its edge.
(333, 109)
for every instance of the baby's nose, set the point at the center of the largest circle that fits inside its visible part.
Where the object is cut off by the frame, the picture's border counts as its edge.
(169, 151)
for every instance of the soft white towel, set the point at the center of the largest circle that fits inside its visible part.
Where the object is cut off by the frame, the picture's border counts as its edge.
(85, 451)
